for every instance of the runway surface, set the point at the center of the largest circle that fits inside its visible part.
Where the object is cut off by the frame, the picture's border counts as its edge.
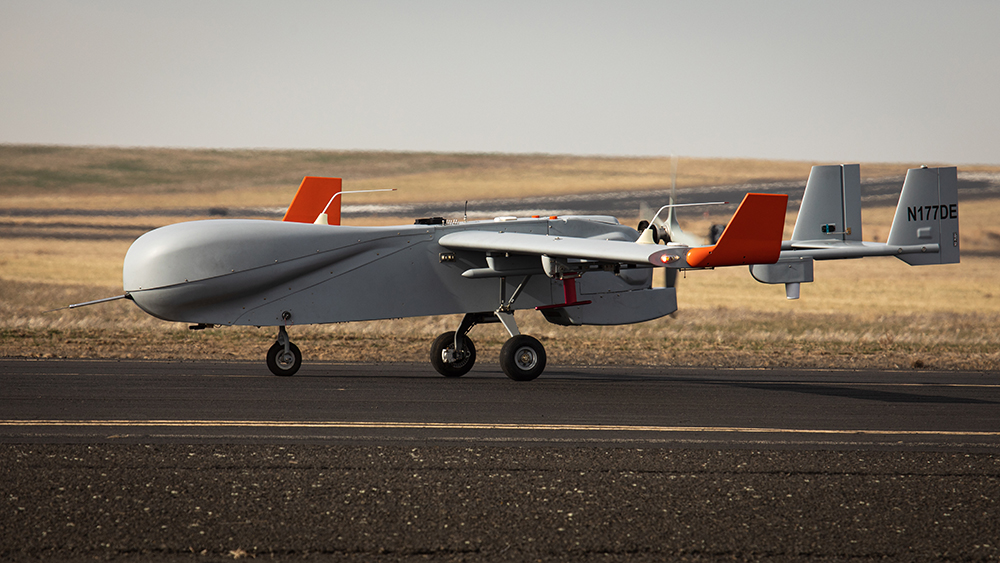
(209, 461)
(123, 401)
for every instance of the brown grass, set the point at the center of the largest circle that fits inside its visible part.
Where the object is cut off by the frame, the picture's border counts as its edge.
(694, 336)
(138, 178)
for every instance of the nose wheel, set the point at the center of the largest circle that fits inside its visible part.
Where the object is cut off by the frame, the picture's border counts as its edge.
(450, 361)
(284, 358)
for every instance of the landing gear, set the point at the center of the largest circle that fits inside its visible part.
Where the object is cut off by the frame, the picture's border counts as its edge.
(522, 358)
(450, 360)
(284, 358)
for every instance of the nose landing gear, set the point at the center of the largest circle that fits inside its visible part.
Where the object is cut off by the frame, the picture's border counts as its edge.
(284, 358)
(451, 359)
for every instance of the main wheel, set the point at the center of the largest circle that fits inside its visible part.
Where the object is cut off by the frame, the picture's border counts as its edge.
(462, 361)
(522, 358)
(281, 363)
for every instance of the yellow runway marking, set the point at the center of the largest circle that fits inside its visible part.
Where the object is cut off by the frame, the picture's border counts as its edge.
(482, 426)
(875, 384)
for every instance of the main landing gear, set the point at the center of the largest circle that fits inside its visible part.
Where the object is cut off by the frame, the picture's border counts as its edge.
(522, 357)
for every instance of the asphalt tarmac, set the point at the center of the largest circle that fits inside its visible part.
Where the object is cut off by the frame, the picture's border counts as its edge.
(139, 461)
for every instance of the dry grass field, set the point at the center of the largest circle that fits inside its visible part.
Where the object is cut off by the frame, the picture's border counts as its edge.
(124, 178)
(876, 312)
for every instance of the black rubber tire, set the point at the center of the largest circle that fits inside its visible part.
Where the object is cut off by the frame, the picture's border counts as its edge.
(278, 367)
(522, 358)
(456, 369)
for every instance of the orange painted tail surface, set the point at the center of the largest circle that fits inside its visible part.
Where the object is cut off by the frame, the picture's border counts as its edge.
(313, 195)
(753, 235)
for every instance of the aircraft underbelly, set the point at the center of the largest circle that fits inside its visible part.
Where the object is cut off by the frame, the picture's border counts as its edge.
(618, 308)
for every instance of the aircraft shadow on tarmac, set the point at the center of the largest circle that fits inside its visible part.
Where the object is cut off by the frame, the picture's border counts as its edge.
(853, 393)
(841, 391)
(646, 375)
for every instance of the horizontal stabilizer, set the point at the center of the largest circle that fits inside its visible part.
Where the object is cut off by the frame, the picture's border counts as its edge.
(753, 235)
(924, 229)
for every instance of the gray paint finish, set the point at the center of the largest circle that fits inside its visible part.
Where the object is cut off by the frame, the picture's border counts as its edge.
(240, 272)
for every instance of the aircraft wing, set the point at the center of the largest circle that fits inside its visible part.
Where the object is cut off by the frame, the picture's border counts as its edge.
(753, 236)
(566, 247)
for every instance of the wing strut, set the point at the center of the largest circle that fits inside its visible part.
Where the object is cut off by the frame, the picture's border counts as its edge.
(504, 314)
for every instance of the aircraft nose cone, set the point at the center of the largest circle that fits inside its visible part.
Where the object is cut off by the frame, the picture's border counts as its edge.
(166, 271)
(188, 252)
(209, 271)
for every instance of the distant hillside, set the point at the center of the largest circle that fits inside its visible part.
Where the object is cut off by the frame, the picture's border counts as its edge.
(268, 177)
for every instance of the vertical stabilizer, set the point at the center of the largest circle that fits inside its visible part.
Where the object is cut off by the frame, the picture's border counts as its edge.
(831, 205)
(927, 214)
(315, 197)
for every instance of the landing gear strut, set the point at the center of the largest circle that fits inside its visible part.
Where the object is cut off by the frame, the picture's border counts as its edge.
(284, 358)
(522, 357)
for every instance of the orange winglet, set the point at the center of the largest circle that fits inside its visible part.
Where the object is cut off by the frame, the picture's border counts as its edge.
(313, 196)
(753, 235)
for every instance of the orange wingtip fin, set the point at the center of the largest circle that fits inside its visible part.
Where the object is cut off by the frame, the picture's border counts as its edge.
(753, 235)
(313, 196)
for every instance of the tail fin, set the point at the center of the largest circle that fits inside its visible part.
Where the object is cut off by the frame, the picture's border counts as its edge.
(315, 196)
(753, 235)
(831, 205)
(927, 214)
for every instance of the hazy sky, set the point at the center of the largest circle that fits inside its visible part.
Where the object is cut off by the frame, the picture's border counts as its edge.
(805, 80)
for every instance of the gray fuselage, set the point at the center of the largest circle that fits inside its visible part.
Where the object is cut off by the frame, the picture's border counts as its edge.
(270, 273)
